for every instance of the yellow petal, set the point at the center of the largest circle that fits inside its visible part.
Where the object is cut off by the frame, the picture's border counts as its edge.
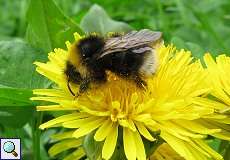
(62, 101)
(56, 60)
(76, 155)
(196, 127)
(129, 144)
(148, 105)
(196, 155)
(55, 108)
(225, 120)
(68, 45)
(178, 145)
(131, 125)
(88, 127)
(145, 118)
(79, 122)
(64, 145)
(103, 130)
(94, 112)
(50, 92)
(181, 130)
(208, 149)
(61, 136)
(140, 148)
(110, 142)
(165, 152)
(204, 102)
(222, 135)
(219, 78)
(77, 36)
(172, 132)
(144, 132)
(60, 119)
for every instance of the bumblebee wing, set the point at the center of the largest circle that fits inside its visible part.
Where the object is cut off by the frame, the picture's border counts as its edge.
(131, 40)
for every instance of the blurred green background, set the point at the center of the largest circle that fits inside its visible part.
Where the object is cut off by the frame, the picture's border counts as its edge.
(197, 25)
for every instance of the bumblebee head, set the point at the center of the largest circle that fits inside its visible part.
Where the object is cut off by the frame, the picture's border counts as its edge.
(90, 46)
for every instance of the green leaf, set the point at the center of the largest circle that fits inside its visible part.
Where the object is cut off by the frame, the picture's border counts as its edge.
(15, 107)
(48, 27)
(12, 18)
(196, 50)
(21, 133)
(97, 20)
(45, 139)
(92, 148)
(17, 79)
(16, 65)
(227, 152)
(214, 143)
(224, 149)
(178, 42)
(11, 97)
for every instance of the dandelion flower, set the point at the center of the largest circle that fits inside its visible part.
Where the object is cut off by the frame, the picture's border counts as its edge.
(174, 104)
(219, 77)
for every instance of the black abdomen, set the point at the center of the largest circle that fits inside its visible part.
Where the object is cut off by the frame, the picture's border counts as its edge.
(124, 63)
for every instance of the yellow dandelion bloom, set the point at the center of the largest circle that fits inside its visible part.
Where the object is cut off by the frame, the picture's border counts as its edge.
(219, 78)
(174, 104)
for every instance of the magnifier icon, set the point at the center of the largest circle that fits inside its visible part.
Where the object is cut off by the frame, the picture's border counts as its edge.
(9, 147)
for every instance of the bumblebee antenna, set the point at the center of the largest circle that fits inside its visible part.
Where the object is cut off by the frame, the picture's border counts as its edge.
(71, 91)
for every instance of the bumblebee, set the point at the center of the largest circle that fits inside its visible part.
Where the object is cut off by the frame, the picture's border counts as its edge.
(131, 56)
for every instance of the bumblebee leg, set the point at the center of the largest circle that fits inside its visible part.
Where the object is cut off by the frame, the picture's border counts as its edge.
(140, 82)
(76, 96)
(84, 85)
(68, 85)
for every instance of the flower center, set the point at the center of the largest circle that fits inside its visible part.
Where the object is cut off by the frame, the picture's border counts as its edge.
(116, 112)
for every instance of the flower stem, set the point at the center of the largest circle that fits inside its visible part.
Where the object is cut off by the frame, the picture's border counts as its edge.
(36, 135)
